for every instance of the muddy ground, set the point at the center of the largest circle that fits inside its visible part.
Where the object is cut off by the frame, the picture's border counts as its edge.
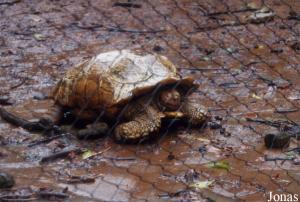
(244, 69)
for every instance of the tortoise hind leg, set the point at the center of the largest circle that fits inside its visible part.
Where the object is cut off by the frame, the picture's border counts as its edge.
(143, 125)
(195, 113)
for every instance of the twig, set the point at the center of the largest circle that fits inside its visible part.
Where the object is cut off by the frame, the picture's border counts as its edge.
(23, 81)
(61, 154)
(231, 12)
(203, 69)
(48, 194)
(75, 179)
(277, 124)
(122, 158)
(229, 85)
(78, 179)
(127, 5)
(297, 149)
(11, 198)
(286, 110)
(267, 158)
(211, 28)
(9, 2)
(12, 118)
(173, 194)
(117, 29)
(45, 140)
(100, 152)
(30, 126)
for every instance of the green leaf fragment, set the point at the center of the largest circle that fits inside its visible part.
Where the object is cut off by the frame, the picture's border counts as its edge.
(224, 165)
(87, 154)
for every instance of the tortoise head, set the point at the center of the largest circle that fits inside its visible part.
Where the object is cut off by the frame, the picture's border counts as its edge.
(169, 99)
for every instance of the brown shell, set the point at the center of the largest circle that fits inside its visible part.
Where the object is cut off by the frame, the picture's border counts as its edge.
(113, 78)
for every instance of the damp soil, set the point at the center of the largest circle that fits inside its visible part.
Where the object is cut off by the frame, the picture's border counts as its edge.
(244, 70)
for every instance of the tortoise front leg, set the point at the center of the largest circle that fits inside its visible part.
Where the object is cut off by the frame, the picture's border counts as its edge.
(194, 112)
(145, 123)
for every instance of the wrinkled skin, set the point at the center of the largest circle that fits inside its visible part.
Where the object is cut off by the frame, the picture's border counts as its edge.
(145, 114)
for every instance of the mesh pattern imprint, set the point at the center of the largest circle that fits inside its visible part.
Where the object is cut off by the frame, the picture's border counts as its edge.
(244, 54)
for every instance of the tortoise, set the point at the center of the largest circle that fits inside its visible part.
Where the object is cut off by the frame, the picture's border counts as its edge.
(137, 90)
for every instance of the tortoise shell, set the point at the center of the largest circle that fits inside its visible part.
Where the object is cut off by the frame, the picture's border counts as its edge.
(110, 80)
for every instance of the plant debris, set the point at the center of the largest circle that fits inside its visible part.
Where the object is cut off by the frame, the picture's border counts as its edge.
(261, 16)
(127, 5)
(45, 140)
(42, 125)
(224, 165)
(290, 128)
(202, 184)
(280, 140)
(89, 154)
(39, 37)
(267, 158)
(61, 154)
(52, 194)
(283, 110)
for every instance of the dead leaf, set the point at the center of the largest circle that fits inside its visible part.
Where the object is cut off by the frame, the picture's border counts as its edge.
(256, 96)
(39, 37)
(202, 184)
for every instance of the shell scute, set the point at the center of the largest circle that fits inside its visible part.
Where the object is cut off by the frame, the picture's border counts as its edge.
(113, 78)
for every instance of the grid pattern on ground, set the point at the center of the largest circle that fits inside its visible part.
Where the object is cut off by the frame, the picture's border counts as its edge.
(246, 67)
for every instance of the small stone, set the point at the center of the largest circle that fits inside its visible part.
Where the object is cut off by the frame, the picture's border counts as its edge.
(171, 156)
(214, 125)
(218, 118)
(184, 46)
(6, 100)
(277, 141)
(158, 48)
(202, 149)
(39, 96)
(6, 180)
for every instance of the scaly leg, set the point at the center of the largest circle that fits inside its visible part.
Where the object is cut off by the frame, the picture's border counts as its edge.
(194, 112)
(143, 124)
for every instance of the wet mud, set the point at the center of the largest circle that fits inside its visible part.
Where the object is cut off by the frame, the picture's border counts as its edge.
(244, 70)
